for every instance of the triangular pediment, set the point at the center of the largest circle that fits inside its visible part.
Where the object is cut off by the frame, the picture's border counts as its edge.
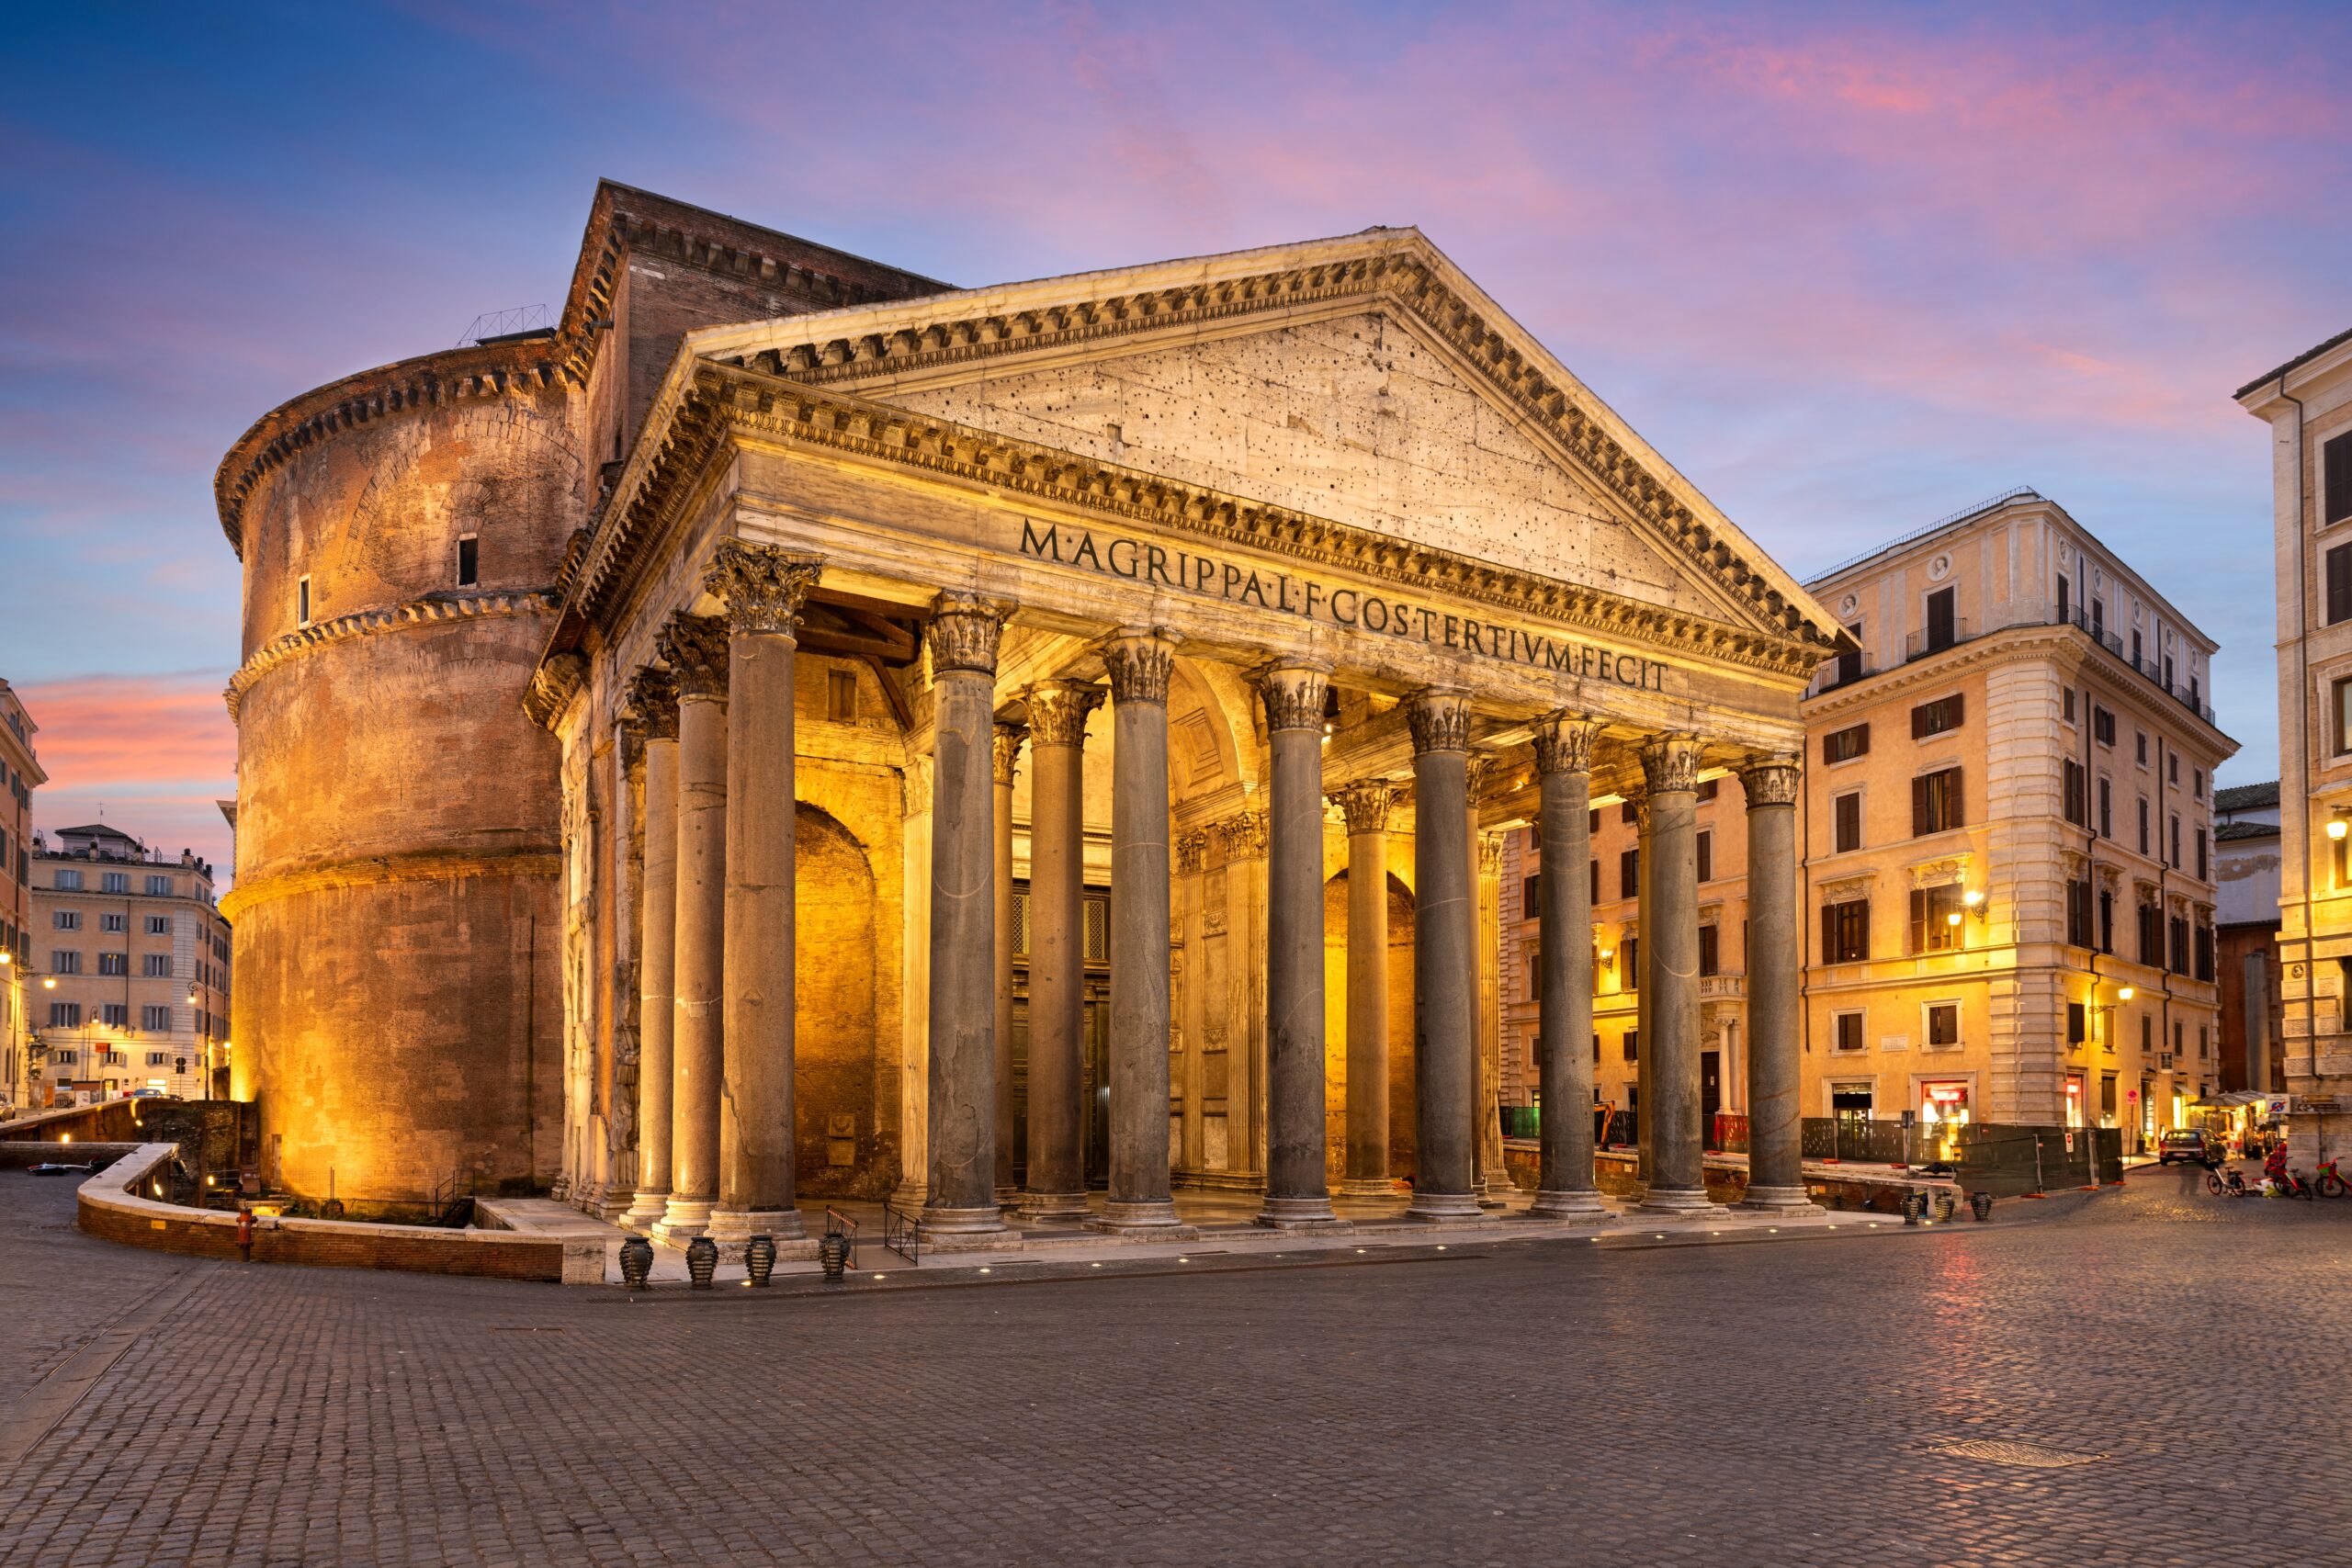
(1363, 380)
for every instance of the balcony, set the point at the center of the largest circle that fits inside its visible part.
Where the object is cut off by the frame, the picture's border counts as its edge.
(1726, 985)
(1935, 640)
(2148, 669)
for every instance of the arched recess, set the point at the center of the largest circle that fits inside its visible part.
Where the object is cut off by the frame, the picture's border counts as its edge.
(1400, 1024)
(836, 1070)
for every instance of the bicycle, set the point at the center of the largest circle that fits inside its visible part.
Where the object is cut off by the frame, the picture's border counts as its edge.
(2224, 1184)
(2329, 1182)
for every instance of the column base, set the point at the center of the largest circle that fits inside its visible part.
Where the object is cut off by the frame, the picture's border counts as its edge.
(618, 1201)
(1676, 1201)
(1155, 1217)
(1779, 1201)
(1584, 1205)
(1301, 1214)
(1447, 1207)
(1008, 1193)
(732, 1227)
(683, 1219)
(1051, 1206)
(1367, 1187)
(647, 1208)
(940, 1219)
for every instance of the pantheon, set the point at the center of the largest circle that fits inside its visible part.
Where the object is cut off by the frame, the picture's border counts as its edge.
(783, 728)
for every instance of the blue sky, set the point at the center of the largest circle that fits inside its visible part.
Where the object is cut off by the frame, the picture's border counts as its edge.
(1850, 267)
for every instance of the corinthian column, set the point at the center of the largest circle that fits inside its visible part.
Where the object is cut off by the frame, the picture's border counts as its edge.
(1365, 805)
(1775, 1171)
(1056, 1180)
(694, 647)
(1298, 1194)
(961, 1200)
(1678, 1172)
(1564, 761)
(1445, 1055)
(652, 706)
(762, 587)
(1005, 758)
(1139, 662)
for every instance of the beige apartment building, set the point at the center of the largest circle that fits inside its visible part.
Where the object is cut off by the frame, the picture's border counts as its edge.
(2007, 842)
(2308, 404)
(20, 774)
(131, 965)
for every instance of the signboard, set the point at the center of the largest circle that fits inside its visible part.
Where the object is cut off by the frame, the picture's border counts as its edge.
(2274, 1106)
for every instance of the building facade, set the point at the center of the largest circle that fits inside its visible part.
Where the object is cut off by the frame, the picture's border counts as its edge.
(2307, 402)
(20, 774)
(134, 962)
(884, 639)
(2246, 937)
(2008, 848)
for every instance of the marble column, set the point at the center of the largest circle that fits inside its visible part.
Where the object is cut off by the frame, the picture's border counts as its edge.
(1670, 939)
(652, 703)
(1494, 1175)
(1005, 758)
(694, 647)
(1445, 1056)
(1367, 805)
(959, 1205)
(1139, 662)
(1645, 858)
(1298, 1194)
(1775, 1170)
(1056, 1180)
(1564, 1042)
(762, 587)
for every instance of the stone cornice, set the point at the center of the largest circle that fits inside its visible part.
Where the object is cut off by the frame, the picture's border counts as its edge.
(724, 402)
(418, 865)
(1395, 269)
(415, 613)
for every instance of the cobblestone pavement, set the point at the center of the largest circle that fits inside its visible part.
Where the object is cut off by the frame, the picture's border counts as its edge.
(1767, 1400)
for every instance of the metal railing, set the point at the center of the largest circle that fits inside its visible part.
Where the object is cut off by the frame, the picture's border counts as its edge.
(1920, 644)
(900, 1232)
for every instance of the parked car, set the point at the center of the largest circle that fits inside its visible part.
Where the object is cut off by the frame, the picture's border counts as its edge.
(2188, 1145)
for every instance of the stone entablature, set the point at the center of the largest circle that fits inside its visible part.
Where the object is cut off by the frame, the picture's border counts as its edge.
(415, 613)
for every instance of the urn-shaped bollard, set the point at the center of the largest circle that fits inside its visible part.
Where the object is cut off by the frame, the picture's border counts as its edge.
(759, 1259)
(1914, 1208)
(1945, 1204)
(702, 1261)
(637, 1262)
(832, 1255)
(1981, 1205)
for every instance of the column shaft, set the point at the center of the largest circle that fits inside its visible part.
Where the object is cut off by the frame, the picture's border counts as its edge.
(1645, 866)
(654, 702)
(1775, 1144)
(1367, 807)
(1677, 1173)
(697, 647)
(1005, 756)
(1140, 663)
(1564, 1042)
(1057, 1183)
(1445, 1057)
(1297, 1181)
(961, 1195)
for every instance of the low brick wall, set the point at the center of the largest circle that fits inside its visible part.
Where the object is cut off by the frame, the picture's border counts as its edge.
(113, 1206)
(109, 1120)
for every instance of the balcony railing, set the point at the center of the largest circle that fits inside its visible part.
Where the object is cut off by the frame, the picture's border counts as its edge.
(2149, 669)
(1726, 986)
(1918, 644)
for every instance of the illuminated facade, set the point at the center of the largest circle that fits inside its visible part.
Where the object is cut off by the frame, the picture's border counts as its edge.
(20, 774)
(1031, 746)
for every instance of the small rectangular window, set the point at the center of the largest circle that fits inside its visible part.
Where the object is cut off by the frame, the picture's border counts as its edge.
(65, 1015)
(1847, 810)
(1935, 717)
(2336, 478)
(116, 1015)
(1709, 789)
(2102, 725)
(160, 887)
(114, 882)
(1710, 950)
(2067, 706)
(841, 695)
(2139, 738)
(2342, 692)
(156, 965)
(1848, 1036)
(2144, 824)
(114, 922)
(64, 962)
(114, 964)
(1844, 745)
(469, 561)
(156, 1018)
(1595, 864)
(2074, 802)
(1706, 853)
(69, 882)
(1943, 1024)
(303, 602)
(1627, 815)
(1629, 965)
(2105, 808)
(1846, 931)
(159, 925)
(67, 920)
(1629, 874)
(1936, 802)
(1531, 896)
(2076, 1022)
(1633, 1044)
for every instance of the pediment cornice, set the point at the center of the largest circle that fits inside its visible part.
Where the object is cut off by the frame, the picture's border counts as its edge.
(1397, 270)
(726, 402)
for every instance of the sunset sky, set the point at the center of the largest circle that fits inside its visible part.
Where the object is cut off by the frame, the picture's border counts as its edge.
(1851, 268)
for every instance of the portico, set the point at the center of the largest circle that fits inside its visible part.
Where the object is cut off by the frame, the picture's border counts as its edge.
(1207, 590)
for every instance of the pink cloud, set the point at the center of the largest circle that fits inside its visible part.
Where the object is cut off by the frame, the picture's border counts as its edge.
(153, 753)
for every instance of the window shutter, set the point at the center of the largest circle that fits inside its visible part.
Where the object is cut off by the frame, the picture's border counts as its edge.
(2339, 585)
(2337, 459)
(1919, 721)
(1958, 701)
(1918, 920)
(1863, 740)
(1919, 806)
(1829, 934)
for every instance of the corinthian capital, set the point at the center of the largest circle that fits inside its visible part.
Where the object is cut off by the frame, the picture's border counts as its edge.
(1670, 763)
(1007, 755)
(694, 647)
(1563, 742)
(1440, 720)
(552, 687)
(964, 632)
(762, 585)
(1057, 711)
(1140, 663)
(1771, 780)
(1295, 695)
(651, 703)
(1366, 804)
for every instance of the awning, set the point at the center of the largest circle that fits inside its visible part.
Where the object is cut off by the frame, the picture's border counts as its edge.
(2230, 1101)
